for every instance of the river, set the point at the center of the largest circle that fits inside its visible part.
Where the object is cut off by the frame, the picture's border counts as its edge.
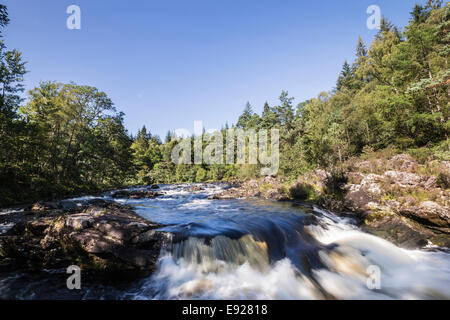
(256, 249)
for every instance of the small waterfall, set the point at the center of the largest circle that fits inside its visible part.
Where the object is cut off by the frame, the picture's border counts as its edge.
(276, 251)
(257, 249)
(221, 250)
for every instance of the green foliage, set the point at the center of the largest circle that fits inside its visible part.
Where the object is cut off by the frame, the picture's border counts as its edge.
(67, 139)
(200, 176)
(393, 96)
(302, 191)
(146, 153)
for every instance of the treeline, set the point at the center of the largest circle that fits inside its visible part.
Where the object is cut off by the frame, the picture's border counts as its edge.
(395, 94)
(67, 139)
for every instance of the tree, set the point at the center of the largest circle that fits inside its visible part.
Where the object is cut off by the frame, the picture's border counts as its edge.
(269, 118)
(12, 70)
(285, 111)
(245, 116)
(345, 79)
(13, 133)
(83, 142)
(4, 20)
(146, 154)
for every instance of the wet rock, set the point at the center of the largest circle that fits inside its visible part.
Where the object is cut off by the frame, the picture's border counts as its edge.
(136, 194)
(67, 205)
(107, 238)
(196, 189)
(249, 189)
(97, 202)
(275, 194)
(154, 186)
(232, 193)
(44, 206)
(429, 213)
(397, 230)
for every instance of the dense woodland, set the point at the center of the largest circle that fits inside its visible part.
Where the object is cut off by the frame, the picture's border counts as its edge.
(65, 139)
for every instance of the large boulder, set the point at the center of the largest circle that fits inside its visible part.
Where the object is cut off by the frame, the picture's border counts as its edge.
(406, 179)
(429, 213)
(105, 238)
(357, 201)
(275, 194)
(403, 162)
(399, 230)
(371, 184)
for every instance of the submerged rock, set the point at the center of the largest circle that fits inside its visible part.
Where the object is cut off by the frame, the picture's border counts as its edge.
(137, 194)
(196, 189)
(232, 193)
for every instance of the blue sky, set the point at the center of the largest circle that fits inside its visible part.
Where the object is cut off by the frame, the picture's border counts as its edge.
(168, 63)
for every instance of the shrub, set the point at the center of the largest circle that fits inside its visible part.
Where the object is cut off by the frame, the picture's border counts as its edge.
(301, 191)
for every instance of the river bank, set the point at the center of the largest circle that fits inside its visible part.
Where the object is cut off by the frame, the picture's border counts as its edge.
(396, 198)
(388, 198)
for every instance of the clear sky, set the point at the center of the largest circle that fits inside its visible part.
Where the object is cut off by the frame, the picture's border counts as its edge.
(167, 63)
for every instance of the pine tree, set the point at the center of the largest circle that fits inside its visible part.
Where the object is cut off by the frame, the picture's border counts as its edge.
(345, 78)
(286, 110)
(419, 14)
(361, 49)
(245, 116)
(268, 119)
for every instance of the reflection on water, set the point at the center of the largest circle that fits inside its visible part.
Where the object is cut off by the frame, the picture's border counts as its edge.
(258, 249)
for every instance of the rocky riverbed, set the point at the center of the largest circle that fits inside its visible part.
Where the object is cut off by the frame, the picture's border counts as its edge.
(391, 198)
(187, 242)
(105, 236)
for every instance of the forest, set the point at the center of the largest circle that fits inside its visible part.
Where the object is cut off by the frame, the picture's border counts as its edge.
(63, 139)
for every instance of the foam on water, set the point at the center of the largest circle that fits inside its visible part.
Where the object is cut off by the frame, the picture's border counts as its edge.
(257, 249)
(202, 270)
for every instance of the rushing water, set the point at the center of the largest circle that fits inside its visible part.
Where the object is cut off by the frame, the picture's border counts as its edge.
(258, 249)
